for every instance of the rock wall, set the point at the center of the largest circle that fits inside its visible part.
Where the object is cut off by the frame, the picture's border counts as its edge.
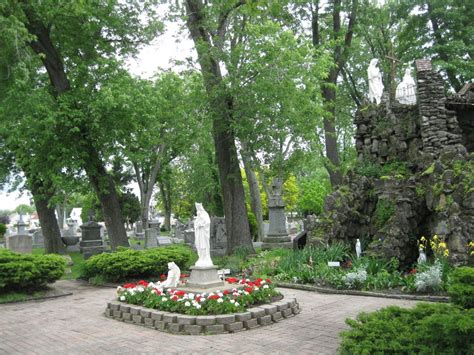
(413, 178)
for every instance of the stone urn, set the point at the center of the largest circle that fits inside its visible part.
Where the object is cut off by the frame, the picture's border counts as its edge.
(70, 240)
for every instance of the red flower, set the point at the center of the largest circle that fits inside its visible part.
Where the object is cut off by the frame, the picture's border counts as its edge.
(250, 284)
(130, 285)
(198, 298)
(268, 281)
(180, 293)
(184, 275)
(213, 297)
(174, 298)
(232, 280)
(163, 276)
(158, 292)
(226, 292)
(143, 283)
(249, 289)
(412, 271)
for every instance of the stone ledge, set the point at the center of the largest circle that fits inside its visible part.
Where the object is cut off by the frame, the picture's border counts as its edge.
(304, 287)
(203, 325)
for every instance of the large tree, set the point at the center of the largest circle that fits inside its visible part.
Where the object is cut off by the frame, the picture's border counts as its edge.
(77, 42)
(208, 26)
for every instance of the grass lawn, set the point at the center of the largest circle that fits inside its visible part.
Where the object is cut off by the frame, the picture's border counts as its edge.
(21, 296)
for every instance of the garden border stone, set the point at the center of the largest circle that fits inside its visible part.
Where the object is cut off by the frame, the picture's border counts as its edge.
(175, 323)
(427, 298)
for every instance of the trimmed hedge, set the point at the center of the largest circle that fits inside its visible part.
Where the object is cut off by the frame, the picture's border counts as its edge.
(461, 289)
(426, 329)
(26, 272)
(125, 265)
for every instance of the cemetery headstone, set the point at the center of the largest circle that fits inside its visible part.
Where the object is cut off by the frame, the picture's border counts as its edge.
(38, 239)
(91, 243)
(139, 233)
(21, 242)
(189, 234)
(277, 236)
(164, 241)
(151, 236)
(218, 239)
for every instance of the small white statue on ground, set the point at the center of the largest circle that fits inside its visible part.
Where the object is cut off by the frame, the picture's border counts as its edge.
(405, 93)
(422, 257)
(358, 248)
(174, 274)
(202, 233)
(375, 82)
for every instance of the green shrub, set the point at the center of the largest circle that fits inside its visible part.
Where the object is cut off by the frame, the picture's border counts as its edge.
(425, 329)
(129, 264)
(3, 230)
(383, 212)
(26, 272)
(461, 289)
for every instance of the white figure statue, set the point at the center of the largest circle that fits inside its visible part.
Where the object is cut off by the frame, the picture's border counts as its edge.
(405, 93)
(375, 82)
(358, 248)
(422, 257)
(174, 273)
(202, 233)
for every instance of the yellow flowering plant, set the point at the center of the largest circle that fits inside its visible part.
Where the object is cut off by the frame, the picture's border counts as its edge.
(439, 247)
(470, 246)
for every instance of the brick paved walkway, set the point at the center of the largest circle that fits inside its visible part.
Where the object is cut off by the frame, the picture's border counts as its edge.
(75, 324)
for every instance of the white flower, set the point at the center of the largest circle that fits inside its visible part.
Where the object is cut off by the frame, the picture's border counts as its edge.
(164, 299)
(220, 300)
(202, 300)
(246, 293)
(122, 298)
(140, 289)
(187, 303)
(265, 286)
(131, 291)
(198, 306)
(220, 294)
(237, 304)
(256, 288)
(232, 301)
(190, 295)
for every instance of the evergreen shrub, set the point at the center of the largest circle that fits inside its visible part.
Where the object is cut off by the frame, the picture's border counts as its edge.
(26, 272)
(424, 329)
(127, 264)
(461, 289)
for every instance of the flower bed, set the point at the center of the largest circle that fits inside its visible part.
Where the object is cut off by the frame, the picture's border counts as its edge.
(236, 300)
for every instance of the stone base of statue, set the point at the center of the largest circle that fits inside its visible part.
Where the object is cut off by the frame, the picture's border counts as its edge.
(204, 277)
(277, 236)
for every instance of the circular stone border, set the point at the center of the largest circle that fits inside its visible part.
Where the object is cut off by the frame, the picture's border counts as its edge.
(202, 325)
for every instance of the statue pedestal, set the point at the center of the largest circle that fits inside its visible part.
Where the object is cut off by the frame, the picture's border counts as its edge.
(204, 277)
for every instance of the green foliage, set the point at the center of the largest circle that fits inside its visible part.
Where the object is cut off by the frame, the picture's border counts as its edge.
(383, 212)
(28, 272)
(313, 191)
(461, 289)
(393, 169)
(127, 264)
(3, 229)
(25, 209)
(425, 329)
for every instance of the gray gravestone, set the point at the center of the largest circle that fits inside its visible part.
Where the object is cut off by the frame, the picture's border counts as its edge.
(277, 236)
(91, 243)
(218, 239)
(21, 242)
(189, 233)
(179, 232)
(164, 241)
(139, 233)
(38, 239)
(150, 238)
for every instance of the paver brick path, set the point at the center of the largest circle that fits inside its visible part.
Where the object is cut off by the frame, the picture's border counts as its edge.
(76, 324)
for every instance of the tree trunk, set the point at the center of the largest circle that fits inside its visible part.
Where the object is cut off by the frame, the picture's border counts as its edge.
(166, 197)
(104, 188)
(330, 136)
(254, 189)
(53, 243)
(235, 210)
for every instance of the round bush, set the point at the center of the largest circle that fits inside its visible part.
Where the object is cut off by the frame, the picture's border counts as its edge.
(426, 329)
(25, 272)
(461, 289)
(124, 265)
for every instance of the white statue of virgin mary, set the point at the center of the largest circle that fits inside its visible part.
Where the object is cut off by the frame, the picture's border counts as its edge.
(375, 82)
(406, 90)
(202, 233)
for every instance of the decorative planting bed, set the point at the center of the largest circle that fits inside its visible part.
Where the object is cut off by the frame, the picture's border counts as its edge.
(201, 325)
